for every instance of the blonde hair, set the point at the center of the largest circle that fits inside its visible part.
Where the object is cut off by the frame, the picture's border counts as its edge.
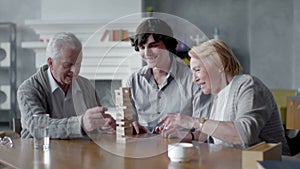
(217, 52)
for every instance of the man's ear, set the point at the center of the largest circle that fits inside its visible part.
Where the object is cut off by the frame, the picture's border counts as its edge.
(50, 62)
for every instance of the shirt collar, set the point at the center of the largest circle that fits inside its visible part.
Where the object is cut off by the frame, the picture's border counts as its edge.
(173, 67)
(54, 85)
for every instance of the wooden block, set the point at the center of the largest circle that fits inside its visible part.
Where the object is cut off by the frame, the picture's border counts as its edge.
(127, 109)
(127, 113)
(119, 97)
(260, 152)
(122, 108)
(127, 103)
(123, 115)
(123, 95)
(119, 103)
(121, 139)
(293, 112)
(124, 131)
(120, 116)
(123, 103)
(281, 101)
(124, 123)
(126, 91)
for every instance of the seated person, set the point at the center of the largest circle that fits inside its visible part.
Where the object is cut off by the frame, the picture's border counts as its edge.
(244, 112)
(164, 85)
(49, 91)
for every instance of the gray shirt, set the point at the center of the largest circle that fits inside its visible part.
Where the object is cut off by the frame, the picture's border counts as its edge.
(177, 94)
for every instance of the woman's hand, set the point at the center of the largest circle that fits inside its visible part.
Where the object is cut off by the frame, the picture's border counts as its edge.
(171, 121)
(174, 133)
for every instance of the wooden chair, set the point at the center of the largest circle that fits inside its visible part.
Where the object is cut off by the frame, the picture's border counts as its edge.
(280, 96)
(15, 132)
(17, 125)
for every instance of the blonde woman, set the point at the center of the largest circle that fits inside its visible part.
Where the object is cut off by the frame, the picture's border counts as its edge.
(244, 111)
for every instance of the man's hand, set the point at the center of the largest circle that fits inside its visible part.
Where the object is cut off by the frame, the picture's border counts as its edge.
(95, 118)
(138, 128)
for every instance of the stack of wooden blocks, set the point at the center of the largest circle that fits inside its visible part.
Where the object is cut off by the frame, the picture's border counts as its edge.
(123, 114)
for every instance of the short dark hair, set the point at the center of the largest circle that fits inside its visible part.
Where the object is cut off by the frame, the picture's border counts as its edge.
(159, 29)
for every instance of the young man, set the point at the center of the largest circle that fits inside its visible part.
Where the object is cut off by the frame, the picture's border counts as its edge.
(57, 89)
(164, 85)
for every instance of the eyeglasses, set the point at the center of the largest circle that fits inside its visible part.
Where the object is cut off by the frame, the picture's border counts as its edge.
(6, 141)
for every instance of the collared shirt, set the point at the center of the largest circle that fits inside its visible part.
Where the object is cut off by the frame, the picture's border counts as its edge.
(177, 94)
(63, 105)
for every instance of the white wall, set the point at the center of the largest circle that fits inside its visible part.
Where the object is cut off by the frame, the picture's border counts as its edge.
(17, 11)
(277, 29)
(270, 42)
(264, 34)
(296, 45)
(104, 10)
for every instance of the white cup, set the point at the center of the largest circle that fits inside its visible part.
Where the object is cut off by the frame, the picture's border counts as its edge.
(41, 131)
(181, 152)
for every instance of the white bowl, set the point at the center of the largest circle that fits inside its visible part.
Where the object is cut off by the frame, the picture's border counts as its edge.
(181, 152)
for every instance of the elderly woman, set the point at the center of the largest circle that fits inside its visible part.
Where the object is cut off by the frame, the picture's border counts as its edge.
(243, 113)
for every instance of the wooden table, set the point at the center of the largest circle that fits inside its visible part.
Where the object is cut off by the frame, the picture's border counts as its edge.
(103, 152)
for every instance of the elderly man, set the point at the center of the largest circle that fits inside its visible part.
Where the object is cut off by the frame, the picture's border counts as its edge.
(57, 89)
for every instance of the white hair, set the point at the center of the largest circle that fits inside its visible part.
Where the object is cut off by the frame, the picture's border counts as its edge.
(60, 39)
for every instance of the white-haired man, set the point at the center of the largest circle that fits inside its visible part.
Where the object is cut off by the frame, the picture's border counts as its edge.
(57, 89)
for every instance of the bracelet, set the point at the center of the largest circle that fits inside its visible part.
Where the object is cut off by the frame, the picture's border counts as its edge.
(193, 136)
(202, 121)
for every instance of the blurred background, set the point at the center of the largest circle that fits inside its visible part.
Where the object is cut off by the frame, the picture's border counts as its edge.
(264, 35)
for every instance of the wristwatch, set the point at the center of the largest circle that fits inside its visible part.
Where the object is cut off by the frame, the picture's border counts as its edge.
(202, 121)
(192, 133)
(193, 136)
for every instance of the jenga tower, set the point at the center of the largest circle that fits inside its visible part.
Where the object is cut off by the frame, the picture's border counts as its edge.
(123, 114)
